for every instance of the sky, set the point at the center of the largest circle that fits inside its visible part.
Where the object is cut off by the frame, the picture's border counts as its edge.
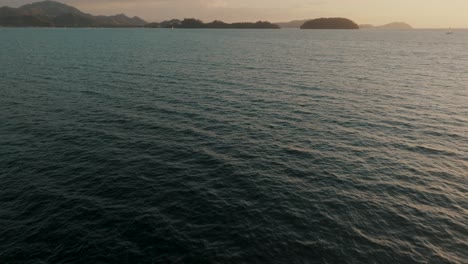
(418, 13)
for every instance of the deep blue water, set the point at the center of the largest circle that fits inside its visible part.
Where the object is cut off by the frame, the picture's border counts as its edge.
(233, 146)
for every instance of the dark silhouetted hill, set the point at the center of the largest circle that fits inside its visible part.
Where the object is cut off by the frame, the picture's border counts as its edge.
(153, 25)
(170, 23)
(50, 13)
(10, 12)
(119, 20)
(49, 9)
(330, 23)
(259, 24)
(73, 20)
(10, 17)
(191, 23)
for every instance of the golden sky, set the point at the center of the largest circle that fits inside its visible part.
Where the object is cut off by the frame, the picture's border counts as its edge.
(419, 13)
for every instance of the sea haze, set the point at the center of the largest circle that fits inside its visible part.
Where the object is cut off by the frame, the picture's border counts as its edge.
(233, 146)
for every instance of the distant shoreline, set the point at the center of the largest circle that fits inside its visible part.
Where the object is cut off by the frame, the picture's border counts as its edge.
(297, 29)
(59, 15)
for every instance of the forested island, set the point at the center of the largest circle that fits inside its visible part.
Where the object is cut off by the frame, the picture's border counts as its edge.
(393, 25)
(330, 23)
(196, 23)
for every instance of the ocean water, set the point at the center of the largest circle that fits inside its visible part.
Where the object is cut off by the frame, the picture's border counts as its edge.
(233, 146)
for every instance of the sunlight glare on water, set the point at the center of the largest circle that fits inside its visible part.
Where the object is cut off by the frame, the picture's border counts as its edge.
(233, 146)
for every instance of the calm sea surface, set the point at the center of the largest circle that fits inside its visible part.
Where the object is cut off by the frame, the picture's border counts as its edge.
(233, 146)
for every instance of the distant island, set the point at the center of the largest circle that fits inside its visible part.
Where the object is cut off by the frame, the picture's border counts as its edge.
(196, 23)
(55, 14)
(394, 25)
(292, 24)
(330, 23)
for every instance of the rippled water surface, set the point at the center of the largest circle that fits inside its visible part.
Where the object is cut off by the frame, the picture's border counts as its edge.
(233, 146)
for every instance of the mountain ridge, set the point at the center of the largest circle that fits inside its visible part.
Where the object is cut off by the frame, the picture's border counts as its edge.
(55, 14)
